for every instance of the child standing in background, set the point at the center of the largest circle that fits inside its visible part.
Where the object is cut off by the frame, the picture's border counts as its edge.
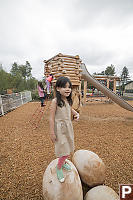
(61, 129)
(41, 93)
(48, 81)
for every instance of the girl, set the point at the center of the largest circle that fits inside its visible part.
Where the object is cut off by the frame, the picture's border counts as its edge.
(48, 81)
(41, 93)
(61, 130)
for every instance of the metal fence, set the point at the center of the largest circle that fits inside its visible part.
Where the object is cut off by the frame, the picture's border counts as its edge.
(9, 102)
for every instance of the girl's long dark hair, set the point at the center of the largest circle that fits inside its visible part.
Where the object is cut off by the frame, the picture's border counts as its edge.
(41, 85)
(61, 83)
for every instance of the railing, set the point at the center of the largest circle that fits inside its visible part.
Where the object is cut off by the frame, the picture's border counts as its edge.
(9, 102)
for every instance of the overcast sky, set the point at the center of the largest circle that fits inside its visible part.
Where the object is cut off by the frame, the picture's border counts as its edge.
(99, 31)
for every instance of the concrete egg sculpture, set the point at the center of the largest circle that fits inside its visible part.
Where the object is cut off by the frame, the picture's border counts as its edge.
(70, 189)
(90, 167)
(101, 192)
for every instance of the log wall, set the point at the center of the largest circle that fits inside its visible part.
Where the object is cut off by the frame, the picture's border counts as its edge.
(64, 65)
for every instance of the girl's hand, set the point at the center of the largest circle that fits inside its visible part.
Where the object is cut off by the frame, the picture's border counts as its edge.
(76, 117)
(53, 137)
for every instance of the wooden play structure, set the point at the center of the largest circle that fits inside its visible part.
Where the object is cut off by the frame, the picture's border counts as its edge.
(69, 66)
(64, 65)
(108, 79)
(73, 68)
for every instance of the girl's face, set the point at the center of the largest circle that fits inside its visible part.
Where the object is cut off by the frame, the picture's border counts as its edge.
(65, 91)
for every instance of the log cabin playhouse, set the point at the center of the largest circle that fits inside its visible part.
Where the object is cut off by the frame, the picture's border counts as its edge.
(68, 66)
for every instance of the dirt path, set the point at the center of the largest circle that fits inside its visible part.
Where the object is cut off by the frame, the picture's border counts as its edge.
(105, 129)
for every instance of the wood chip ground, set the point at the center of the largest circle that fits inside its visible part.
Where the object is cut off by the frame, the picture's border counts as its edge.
(105, 129)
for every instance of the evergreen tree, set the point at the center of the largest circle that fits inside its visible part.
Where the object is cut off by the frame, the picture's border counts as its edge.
(110, 70)
(5, 80)
(15, 69)
(125, 75)
(28, 70)
(22, 70)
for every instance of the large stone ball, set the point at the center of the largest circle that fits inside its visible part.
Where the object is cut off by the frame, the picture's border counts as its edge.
(70, 189)
(101, 192)
(90, 167)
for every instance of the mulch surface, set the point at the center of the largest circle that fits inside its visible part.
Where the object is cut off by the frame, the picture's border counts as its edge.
(26, 151)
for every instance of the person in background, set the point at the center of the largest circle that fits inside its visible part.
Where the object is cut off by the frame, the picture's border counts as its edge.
(61, 129)
(48, 82)
(41, 93)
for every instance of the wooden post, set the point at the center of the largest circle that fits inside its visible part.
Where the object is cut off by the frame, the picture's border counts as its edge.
(1, 105)
(107, 83)
(114, 87)
(85, 90)
(79, 89)
(54, 90)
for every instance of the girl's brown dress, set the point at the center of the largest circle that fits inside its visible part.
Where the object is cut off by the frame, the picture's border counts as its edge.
(64, 131)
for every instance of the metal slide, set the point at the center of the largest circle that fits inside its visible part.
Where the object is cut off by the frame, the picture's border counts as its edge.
(86, 76)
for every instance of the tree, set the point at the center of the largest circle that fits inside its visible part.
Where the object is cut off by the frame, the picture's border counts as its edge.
(15, 69)
(5, 80)
(110, 70)
(25, 70)
(28, 69)
(19, 78)
(125, 75)
(1, 66)
(31, 83)
(22, 70)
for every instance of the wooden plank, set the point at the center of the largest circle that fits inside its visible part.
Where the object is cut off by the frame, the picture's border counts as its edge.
(75, 77)
(74, 82)
(58, 56)
(70, 67)
(61, 74)
(68, 56)
(71, 64)
(85, 90)
(55, 68)
(71, 73)
(67, 71)
(70, 60)
(54, 57)
(106, 77)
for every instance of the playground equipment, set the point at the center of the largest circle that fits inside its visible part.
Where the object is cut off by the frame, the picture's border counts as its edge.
(91, 171)
(71, 66)
(90, 167)
(54, 190)
(86, 75)
(101, 192)
(64, 65)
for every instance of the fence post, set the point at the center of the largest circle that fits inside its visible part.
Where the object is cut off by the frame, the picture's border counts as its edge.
(30, 95)
(22, 98)
(1, 105)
